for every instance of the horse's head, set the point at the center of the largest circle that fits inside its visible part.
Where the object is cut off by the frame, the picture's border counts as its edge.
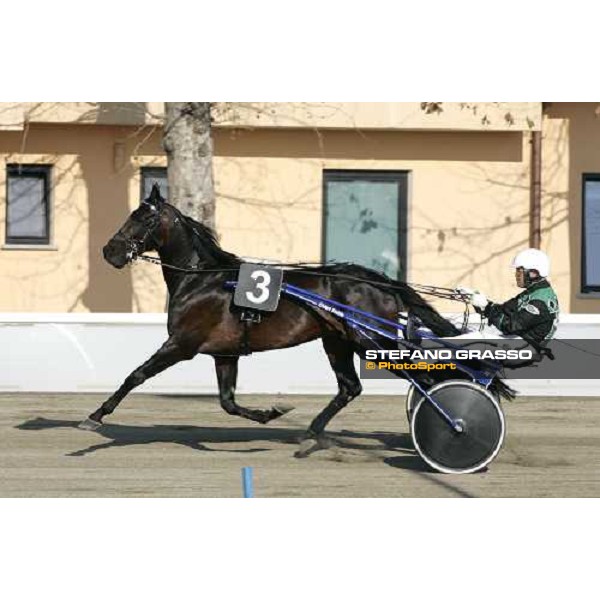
(140, 233)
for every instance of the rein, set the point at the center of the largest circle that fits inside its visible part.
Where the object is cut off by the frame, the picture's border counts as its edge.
(302, 268)
(156, 261)
(431, 290)
(134, 254)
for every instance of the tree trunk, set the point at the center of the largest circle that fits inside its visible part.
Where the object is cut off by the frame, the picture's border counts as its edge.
(188, 144)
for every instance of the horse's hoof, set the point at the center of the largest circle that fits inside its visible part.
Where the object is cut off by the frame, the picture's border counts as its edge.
(308, 446)
(282, 409)
(274, 413)
(90, 425)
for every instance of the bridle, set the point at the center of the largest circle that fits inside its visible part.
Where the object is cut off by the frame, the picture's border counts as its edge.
(135, 246)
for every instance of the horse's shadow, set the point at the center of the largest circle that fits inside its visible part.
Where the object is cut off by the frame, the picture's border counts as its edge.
(196, 438)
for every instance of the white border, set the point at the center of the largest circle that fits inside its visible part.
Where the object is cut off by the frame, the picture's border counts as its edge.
(292, 549)
(298, 549)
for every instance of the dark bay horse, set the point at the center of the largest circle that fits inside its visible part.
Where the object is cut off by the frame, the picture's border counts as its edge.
(203, 320)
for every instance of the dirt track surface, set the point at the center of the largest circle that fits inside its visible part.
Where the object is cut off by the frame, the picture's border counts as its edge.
(169, 446)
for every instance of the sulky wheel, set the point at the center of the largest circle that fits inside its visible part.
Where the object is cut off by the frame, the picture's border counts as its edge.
(479, 417)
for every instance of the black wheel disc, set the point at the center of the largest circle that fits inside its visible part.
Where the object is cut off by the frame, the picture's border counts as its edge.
(481, 420)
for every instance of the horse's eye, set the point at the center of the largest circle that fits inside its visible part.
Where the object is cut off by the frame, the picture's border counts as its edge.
(150, 220)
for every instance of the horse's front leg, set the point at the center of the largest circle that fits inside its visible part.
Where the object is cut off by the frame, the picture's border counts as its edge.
(168, 355)
(227, 370)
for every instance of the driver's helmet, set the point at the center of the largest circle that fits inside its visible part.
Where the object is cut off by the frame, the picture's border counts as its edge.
(532, 258)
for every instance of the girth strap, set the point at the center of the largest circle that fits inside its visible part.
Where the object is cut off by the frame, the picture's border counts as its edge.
(248, 317)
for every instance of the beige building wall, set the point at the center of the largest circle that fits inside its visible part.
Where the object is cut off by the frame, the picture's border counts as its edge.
(441, 116)
(571, 148)
(468, 203)
(95, 186)
(463, 116)
(468, 199)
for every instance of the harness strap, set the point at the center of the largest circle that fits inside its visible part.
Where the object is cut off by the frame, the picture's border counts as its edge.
(245, 346)
(247, 317)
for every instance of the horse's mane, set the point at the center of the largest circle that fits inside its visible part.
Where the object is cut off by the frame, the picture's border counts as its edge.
(205, 241)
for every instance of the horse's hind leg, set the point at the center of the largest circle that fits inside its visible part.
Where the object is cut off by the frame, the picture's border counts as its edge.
(341, 358)
(169, 354)
(227, 369)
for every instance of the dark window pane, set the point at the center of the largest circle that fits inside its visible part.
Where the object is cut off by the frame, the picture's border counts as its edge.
(153, 175)
(592, 232)
(27, 204)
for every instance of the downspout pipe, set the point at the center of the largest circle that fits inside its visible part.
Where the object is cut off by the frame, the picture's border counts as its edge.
(535, 193)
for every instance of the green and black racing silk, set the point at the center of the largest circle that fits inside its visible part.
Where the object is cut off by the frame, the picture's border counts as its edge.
(532, 315)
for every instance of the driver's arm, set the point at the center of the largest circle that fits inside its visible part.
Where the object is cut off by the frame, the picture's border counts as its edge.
(512, 321)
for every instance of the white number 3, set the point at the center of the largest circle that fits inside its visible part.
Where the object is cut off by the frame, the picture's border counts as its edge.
(263, 286)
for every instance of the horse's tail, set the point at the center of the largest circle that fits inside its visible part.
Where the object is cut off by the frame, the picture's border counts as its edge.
(502, 389)
(412, 302)
(408, 299)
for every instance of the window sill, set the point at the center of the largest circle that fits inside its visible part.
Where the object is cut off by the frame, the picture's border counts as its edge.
(588, 296)
(36, 247)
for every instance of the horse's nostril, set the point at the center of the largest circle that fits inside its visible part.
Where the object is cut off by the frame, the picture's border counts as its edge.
(115, 253)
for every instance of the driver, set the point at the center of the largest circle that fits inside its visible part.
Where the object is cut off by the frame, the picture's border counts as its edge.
(532, 314)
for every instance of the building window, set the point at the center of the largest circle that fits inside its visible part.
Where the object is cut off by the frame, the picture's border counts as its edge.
(28, 204)
(590, 252)
(364, 219)
(150, 176)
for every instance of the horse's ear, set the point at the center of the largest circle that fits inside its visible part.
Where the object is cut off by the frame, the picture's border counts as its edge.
(155, 196)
